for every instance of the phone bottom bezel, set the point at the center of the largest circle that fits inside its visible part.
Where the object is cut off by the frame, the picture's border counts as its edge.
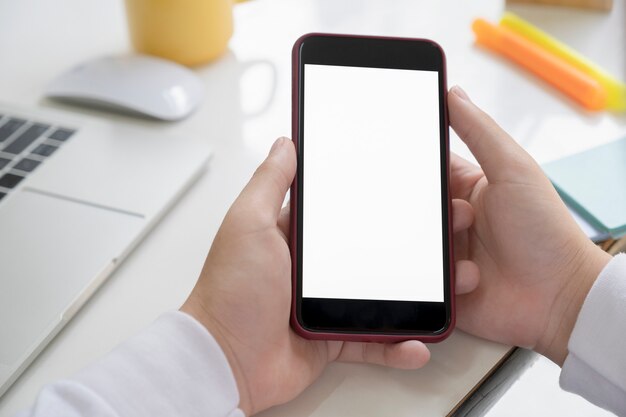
(373, 317)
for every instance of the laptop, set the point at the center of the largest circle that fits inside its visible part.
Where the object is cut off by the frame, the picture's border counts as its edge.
(76, 196)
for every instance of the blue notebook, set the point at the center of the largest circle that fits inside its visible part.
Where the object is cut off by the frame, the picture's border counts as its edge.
(593, 183)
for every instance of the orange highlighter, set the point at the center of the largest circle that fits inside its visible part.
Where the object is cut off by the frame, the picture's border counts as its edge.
(571, 81)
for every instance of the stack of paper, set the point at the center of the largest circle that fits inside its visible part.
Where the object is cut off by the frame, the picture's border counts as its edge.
(593, 184)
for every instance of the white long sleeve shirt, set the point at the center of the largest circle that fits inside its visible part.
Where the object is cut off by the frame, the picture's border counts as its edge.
(596, 365)
(176, 368)
(173, 368)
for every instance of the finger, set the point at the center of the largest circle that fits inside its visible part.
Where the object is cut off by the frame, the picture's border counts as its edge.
(463, 177)
(467, 276)
(462, 215)
(459, 165)
(411, 354)
(496, 152)
(265, 192)
(283, 220)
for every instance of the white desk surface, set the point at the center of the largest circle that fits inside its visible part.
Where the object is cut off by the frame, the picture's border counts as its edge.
(39, 39)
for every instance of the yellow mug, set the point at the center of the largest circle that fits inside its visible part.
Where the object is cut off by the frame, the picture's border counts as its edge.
(190, 32)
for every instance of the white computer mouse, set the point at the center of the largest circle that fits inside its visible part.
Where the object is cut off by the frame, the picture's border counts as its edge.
(136, 83)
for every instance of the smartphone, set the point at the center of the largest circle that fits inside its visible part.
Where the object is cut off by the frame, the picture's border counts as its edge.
(370, 229)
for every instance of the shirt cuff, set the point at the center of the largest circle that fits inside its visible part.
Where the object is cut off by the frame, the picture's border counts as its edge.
(595, 367)
(174, 367)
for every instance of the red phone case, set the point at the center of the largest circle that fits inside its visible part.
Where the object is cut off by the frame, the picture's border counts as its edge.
(360, 337)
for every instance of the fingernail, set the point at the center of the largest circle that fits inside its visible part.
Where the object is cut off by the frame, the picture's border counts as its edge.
(460, 93)
(279, 142)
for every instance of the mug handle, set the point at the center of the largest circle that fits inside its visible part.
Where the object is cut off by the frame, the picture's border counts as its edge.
(249, 64)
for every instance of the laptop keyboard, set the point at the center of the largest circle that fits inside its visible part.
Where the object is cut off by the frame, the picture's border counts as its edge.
(24, 146)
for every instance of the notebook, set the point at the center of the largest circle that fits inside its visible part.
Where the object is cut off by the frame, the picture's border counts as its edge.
(593, 184)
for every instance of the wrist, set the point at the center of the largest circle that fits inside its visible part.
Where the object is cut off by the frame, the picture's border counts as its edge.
(198, 311)
(586, 267)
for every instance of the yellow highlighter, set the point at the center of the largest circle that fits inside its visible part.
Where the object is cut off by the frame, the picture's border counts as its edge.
(616, 90)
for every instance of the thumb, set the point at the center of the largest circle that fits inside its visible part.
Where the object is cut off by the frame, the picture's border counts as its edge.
(264, 194)
(500, 157)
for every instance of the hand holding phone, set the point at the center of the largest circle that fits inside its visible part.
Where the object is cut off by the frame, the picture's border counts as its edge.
(370, 206)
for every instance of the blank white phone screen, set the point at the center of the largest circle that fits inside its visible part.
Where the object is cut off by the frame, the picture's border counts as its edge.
(372, 221)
